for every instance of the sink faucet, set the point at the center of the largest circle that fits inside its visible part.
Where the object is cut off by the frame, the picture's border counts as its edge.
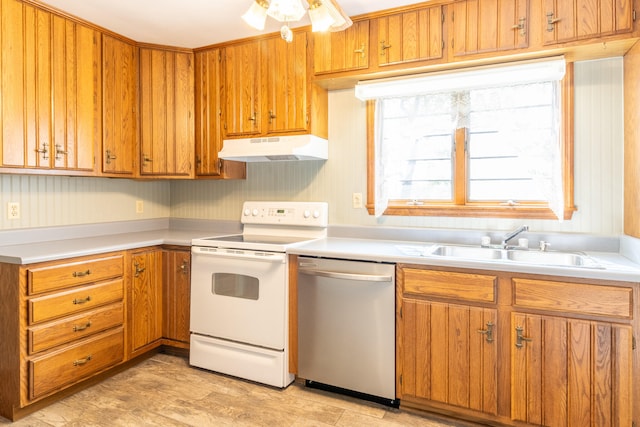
(513, 234)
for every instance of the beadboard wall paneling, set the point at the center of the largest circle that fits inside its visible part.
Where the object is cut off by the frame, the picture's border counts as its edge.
(53, 201)
(598, 168)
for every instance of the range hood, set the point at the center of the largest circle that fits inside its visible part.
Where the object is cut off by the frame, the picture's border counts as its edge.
(275, 148)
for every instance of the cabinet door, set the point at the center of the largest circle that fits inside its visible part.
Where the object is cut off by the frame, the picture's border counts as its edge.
(120, 106)
(287, 85)
(342, 50)
(166, 116)
(209, 91)
(145, 299)
(410, 36)
(481, 26)
(448, 354)
(243, 85)
(77, 95)
(570, 20)
(570, 372)
(176, 295)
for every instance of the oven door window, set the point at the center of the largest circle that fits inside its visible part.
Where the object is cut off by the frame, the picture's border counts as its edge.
(235, 285)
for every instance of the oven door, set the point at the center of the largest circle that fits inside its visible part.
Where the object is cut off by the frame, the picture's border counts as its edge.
(239, 295)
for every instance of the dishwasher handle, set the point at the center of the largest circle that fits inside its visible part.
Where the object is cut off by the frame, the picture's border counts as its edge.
(348, 276)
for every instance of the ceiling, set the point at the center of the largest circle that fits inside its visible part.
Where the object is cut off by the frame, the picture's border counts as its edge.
(189, 23)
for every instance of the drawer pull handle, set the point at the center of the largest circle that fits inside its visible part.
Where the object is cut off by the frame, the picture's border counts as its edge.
(139, 270)
(78, 328)
(487, 332)
(520, 338)
(81, 273)
(81, 362)
(82, 301)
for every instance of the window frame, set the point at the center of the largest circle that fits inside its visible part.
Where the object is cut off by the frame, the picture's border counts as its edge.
(461, 207)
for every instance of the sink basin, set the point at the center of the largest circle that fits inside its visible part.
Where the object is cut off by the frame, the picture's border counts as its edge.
(469, 252)
(567, 259)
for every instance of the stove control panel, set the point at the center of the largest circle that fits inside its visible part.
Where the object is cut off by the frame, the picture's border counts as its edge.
(309, 214)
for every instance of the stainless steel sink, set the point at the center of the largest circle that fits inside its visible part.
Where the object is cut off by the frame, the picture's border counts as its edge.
(468, 252)
(567, 259)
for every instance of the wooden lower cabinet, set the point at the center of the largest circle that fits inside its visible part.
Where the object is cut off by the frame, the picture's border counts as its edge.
(176, 295)
(511, 349)
(69, 322)
(145, 300)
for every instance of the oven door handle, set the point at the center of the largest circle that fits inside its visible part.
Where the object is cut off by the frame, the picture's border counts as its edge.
(348, 276)
(275, 257)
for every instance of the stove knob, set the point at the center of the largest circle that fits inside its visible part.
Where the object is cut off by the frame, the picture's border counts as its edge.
(316, 214)
(255, 212)
(247, 212)
(307, 214)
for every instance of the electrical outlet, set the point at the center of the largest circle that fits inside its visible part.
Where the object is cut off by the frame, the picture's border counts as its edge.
(13, 210)
(357, 200)
(139, 206)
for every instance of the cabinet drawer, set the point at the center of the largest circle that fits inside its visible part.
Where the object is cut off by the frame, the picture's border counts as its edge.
(611, 301)
(74, 301)
(446, 284)
(61, 368)
(59, 276)
(69, 329)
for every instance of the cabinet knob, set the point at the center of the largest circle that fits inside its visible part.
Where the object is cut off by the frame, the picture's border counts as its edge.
(383, 48)
(60, 152)
(109, 157)
(184, 268)
(361, 51)
(551, 21)
(520, 26)
(271, 116)
(44, 151)
(488, 333)
(138, 270)
(520, 339)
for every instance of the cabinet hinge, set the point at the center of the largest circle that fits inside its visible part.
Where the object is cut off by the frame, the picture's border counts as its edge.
(442, 44)
(633, 342)
(634, 15)
(400, 379)
(442, 16)
(401, 313)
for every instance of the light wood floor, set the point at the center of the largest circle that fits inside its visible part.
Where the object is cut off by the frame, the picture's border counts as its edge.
(165, 391)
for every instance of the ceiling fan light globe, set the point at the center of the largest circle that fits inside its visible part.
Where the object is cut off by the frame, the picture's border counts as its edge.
(256, 16)
(321, 19)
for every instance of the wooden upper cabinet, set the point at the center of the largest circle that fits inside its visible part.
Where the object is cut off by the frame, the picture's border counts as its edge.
(120, 107)
(244, 89)
(209, 91)
(51, 90)
(77, 95)
(408, 37)
(287, 84)
(268, 90)
(346, 50)
(571, 20)
(166, 113)
(570, 371)
(483, 26)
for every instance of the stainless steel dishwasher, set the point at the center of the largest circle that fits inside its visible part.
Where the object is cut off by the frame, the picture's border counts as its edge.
(346, 326)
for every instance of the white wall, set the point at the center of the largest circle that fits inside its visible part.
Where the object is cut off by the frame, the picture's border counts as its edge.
(49, 201)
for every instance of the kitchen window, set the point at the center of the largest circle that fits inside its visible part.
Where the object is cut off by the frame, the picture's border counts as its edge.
(491, 142)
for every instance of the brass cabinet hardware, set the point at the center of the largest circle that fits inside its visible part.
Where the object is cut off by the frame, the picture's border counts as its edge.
(60, 151)
(184, 267)
(520, 26)
(488, 333)
(79, 328)
(253, 118)
(271, 116)
(551, 21)
(44, 151)
(82, 300)
(83, 361)
(520, 338)
(81, 273)
(146, 159)
(361, 51)
(109, 157)
(138, 269)
(383, 48)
